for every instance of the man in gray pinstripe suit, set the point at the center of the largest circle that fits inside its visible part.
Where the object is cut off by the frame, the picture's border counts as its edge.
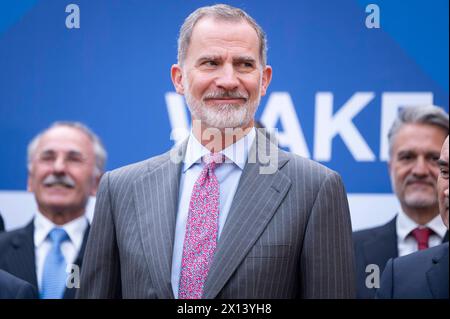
(283, 228)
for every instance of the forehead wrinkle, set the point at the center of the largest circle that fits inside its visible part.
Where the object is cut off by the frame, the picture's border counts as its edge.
(60, 148)
(224, 50)
(65, 139)
(234, 38)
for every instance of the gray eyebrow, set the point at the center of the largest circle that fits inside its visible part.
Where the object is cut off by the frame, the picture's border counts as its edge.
(244, 59)
(208, 57)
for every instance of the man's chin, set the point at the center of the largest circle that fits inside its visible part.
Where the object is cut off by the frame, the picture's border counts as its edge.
(420, 201)
(57, 200)
(222, 125)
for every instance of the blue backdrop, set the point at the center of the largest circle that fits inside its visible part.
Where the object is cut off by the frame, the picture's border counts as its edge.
(113, 73)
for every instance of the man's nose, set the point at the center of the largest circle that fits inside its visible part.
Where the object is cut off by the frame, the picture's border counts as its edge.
(227, 78)
(59, 165)
(421, 167)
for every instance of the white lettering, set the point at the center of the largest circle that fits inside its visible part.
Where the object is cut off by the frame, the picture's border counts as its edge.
(73, 19)
(328, 126)
(280, 107)
(373, 19)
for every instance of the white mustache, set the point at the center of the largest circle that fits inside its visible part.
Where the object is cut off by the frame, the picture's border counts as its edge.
(226, 94)
(64, 180)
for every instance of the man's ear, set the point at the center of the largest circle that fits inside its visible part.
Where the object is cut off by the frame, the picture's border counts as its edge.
(389, 165)
(96, 182)
(29, 184)
(176, 74)
(266, 78)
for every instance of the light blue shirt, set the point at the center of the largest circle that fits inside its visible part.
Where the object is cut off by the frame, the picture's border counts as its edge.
(228, 174)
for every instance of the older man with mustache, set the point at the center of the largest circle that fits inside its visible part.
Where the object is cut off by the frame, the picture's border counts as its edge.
(65, 163)
(415, 141)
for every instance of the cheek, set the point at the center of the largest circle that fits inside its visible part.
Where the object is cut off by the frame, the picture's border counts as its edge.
(399, 175)
(85, 180)
(252, 84)
(198, 86)
(442, 186)
(435, 172)
(402, 172)
(37, 177)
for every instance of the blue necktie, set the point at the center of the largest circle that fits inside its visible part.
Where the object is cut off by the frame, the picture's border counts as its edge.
(54, 275)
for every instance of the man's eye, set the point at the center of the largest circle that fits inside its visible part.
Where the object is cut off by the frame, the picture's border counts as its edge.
(405, 157)
(47, 158)
(245, 65)
(210, 63)
(435, 158)
(444, 173)
(74, 159)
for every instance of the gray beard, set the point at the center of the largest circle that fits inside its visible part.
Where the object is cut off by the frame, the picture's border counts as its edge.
(222, 116)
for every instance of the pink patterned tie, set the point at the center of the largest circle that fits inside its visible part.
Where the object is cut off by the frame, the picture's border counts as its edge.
(201, 230)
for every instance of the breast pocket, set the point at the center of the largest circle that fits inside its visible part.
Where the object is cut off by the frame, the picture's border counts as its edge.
(270, 251)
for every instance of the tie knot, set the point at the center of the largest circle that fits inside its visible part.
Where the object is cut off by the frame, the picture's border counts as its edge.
(215, 158)
(422, 236)
(58, 235)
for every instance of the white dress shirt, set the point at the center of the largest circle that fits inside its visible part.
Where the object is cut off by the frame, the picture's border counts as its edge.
(228, 175)
(407, 244)
(42, 226)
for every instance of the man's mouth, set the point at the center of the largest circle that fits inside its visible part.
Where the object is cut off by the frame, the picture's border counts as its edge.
(419, 183)
(225, 100)
(50, 185)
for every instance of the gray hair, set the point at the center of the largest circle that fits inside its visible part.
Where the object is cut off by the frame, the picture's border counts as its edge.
(221, 12)
(427, 114)
(99, 149)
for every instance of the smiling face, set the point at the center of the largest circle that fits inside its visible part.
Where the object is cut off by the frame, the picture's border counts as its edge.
(413, 166)
(222, 76)
(443, 183)
(62, 172)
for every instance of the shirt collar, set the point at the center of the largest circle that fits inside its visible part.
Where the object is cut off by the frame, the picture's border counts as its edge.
(236, 153)
(405, 225)
(75, 229)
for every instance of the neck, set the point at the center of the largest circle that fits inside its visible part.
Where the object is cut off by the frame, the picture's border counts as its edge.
(216, 140)
(60, 217)
(421, 216)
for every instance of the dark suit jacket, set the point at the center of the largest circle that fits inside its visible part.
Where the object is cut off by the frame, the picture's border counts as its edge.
(17, 255)
(12, 287)
(423, 274)
(374, 246)
(2, 224)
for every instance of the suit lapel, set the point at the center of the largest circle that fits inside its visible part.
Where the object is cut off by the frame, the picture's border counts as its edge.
(437, 275)
(70, 293)
(23, 263)
(156, 200)
(445, 239)
(256, 200)
(383, 246)
(79, 259)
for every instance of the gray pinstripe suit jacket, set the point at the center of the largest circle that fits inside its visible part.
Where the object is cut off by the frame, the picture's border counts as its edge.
(288, 234)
